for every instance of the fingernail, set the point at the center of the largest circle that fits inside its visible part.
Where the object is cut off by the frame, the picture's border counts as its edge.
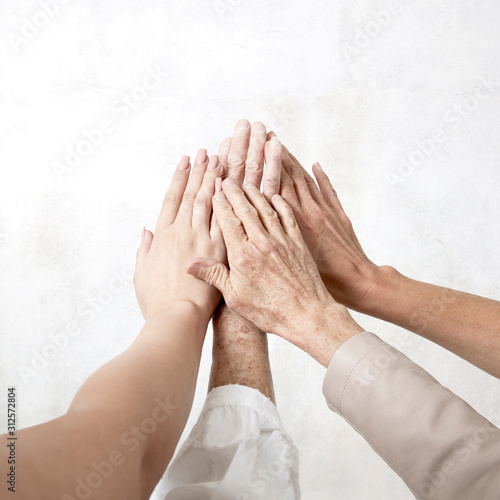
(213, 163)
(229, 182)
(218, 184)
(318, 166)
(220, 196)
(184, 163)
(143, 233)
(275, 143)
(201, 157)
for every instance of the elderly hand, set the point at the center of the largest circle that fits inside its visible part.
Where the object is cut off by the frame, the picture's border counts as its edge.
(183, 231)
(272, 279)
(344, 267)
(243, 155)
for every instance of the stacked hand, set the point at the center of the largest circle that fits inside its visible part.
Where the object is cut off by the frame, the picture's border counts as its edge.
(345, 269)
(272, 279)
(184, 231)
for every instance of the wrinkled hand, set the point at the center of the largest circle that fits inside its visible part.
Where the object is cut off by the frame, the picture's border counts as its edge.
(242, 159)
(243, 155)
(183, 231)
(272, 279)
(344, 267)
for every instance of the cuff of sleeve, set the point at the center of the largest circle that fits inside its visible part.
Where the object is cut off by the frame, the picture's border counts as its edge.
(342, 365)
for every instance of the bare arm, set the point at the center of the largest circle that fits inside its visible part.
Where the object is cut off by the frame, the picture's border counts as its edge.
(465, 324)
(122, 427)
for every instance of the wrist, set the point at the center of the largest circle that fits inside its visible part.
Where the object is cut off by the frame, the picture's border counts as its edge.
(324, 329)
(366, 294)
(184, 308)
(379, 292)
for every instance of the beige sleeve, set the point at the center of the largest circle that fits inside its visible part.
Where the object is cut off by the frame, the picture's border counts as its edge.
(440, 446)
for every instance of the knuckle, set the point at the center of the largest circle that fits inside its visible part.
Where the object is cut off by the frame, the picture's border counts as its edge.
(242, 258)
(170, 199)
(214, 274)
(189, 197)
(271, 183)
(269, 213)
(253, 166)
(235, 161)
(291, 221)
(249, 212)
(347, 222)
(270, 246)
(231, 223)
(201, 201)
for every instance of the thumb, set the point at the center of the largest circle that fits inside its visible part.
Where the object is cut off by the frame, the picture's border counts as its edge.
(213, 272)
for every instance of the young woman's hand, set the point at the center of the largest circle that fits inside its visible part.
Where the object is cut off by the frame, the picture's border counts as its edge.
(184, 231)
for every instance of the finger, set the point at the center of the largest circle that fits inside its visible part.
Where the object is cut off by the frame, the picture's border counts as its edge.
(272, 173)
(215, 231)
(237, 155)
(299, 183)
(266, 212)
(202, 210)
(213, 272)
(194, 185)
(173, 197)
(294, 164)
(287, 189)
(230, 225)
(329, 194)
(146, 241)
(288, 220)
(243, 209)
(254, 165)
(223, 154)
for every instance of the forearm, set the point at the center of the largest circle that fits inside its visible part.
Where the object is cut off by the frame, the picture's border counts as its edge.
(465, 324)
(158, 369)
(240, 353)
(128, 415)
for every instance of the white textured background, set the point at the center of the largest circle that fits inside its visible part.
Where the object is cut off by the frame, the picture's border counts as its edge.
(356, 103)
